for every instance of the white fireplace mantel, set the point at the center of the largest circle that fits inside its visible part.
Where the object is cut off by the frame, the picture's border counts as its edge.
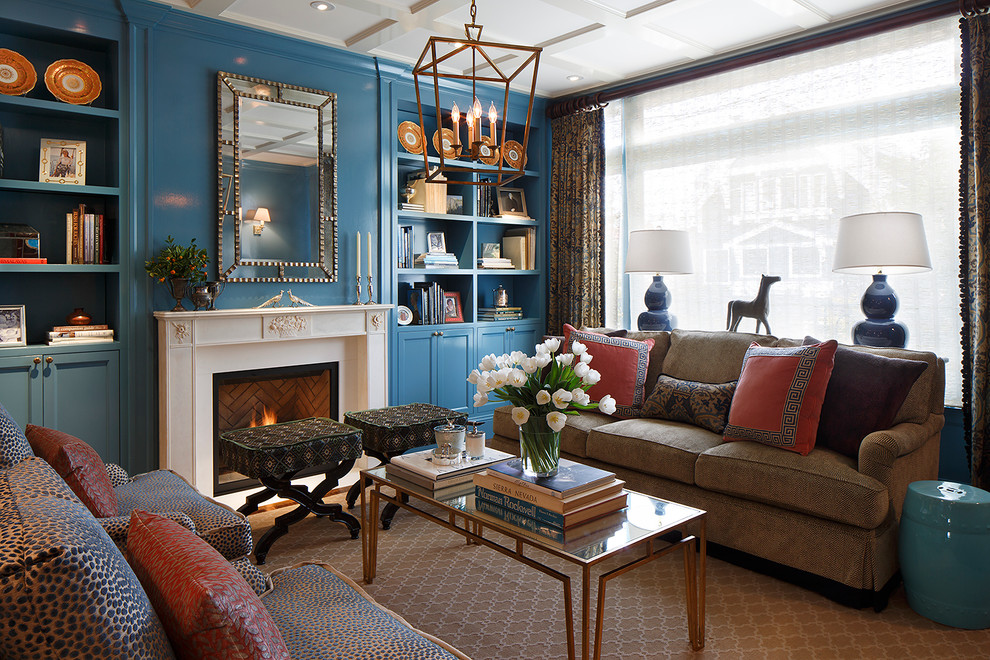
(192, 346)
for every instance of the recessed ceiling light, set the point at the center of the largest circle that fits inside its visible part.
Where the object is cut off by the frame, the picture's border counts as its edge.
(319, 5)
(575, 77)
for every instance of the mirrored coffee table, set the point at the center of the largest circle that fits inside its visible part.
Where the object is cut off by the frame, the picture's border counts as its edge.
(635, 532)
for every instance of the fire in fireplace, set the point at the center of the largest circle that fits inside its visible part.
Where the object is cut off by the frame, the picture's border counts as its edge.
(267, 396)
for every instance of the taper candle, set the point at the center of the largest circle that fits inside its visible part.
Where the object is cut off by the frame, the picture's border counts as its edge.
(359, 255)
(369, 255)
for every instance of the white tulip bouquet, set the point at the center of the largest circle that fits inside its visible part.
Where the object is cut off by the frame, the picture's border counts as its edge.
(543, 389)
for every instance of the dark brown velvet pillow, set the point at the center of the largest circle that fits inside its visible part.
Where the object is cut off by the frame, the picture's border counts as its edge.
(863, 395)
(702, 404)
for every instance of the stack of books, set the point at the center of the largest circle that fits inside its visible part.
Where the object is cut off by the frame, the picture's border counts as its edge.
(426, 302)
(436, 260)
(85, 237)
(404, 247)
(407, 206)
(557, 508)
(495, 262)
(499, 313)
(62, 335)
(418, 469)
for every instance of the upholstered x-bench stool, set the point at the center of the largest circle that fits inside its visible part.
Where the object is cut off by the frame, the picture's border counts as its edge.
(391, 431)
(275, 453)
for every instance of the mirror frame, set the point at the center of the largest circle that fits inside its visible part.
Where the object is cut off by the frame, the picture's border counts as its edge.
(224, 192)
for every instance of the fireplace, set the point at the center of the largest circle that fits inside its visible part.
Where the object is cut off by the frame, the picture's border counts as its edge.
(256, 397)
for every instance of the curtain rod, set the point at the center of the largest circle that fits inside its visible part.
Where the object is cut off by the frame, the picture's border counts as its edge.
(854, 31)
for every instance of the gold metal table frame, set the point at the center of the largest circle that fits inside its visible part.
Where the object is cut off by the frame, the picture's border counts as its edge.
(637, 530)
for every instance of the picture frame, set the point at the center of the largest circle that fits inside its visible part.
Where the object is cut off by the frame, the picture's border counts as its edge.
(62, 161)
(12, 327)
(512, 202)
(491, 251)
(452, 310)
(455, 204)
(436, 242)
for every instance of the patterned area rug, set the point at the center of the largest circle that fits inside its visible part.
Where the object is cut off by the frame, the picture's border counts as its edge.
(490, 606)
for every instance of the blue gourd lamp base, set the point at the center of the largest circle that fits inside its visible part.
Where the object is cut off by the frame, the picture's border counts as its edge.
(879, 329)
(656, 317)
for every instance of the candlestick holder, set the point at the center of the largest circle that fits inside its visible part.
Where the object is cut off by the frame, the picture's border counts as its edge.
(358, 288)
(371, 292)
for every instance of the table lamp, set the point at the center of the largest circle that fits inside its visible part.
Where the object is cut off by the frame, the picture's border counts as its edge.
(881, 244)
(661, 252)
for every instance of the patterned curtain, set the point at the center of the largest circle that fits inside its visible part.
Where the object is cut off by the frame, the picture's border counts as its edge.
(974, 241)
(576, 224)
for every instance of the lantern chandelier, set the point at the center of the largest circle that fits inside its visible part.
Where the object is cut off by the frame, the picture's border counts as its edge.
(472, 151)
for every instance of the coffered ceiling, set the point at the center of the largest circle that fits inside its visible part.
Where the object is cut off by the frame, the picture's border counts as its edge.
(587, 44)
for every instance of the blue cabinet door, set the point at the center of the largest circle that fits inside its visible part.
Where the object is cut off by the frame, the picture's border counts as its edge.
(82, 398)
(491, 339)
(415, 368)
(524, 337)
(454, 361)
(21, 389)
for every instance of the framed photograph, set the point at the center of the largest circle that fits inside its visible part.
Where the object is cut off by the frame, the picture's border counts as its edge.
(63, 161)
(452, 311)
(455, 204)
(512, 202)
(491, 251)
(436, 241)
(12, 331)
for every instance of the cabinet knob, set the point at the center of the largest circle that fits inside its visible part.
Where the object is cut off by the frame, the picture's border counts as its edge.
(37, 360)
(440, 333)
(49, 359)
(436, 334)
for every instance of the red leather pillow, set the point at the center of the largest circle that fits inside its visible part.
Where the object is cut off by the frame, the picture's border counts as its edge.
(621, 362)
(778, 400)
(80, 466)
(207, 608)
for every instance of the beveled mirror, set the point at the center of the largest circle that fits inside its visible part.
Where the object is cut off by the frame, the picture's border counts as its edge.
(277, 181)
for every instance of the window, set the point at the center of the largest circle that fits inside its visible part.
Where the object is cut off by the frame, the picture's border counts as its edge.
(759, 164)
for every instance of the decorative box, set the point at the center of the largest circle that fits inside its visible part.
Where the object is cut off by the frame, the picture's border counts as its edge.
(19, 241)
(395, 429)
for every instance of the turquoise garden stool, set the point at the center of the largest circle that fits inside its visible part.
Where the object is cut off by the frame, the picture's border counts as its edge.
(945, 552)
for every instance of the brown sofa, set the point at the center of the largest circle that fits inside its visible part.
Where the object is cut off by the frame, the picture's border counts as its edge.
(824, 520)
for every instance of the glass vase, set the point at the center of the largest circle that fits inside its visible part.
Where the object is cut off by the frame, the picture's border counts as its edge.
(539, 448)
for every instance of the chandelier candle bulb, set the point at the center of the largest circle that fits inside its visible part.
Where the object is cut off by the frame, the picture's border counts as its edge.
(492, 121)
(455, 118)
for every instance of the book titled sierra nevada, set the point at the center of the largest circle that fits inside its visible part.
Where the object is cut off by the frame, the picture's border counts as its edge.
(571, 477)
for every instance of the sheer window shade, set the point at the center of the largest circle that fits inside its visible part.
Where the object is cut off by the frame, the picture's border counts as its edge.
(759, 164)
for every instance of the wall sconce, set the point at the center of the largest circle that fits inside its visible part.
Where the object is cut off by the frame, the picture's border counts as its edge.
(259, 217)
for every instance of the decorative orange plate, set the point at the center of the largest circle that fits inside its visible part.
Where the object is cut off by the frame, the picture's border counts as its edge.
(73, 82)
(448, 143)
(411, 137)
(486, 154)
(17, 76)
(514, 154)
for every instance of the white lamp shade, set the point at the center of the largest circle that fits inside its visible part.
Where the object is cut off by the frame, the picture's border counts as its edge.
(891, 242)
(261, 215)
(662, 251)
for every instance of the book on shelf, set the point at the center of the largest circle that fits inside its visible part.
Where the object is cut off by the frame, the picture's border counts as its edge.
(571, 477)
(421, 463)
(591, 531)
(562, 520)
(63, 334)
(426, 300)
(23, 260)
(500, 309)
(490, 481)
(436, 260)
(404, 247)
(495, 262)
(77, 328)
(406, 206)
(63, 341)
(519, 246)
(85, 236)
(460, 482)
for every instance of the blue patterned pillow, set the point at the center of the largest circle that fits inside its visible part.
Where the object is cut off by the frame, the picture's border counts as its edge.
(702, 404)
(14, 446)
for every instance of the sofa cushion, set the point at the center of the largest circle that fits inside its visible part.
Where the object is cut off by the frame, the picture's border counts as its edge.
(652, 446)
(65, 589)
(163, 491)
(573, 438)
(779, 397)
(661, 344)
(207, 608)
(80, 466)
(709, 357)
(14, 447)
(823, 483)
(320, 611)
(622, 363)
(863, 395)
(702, 404)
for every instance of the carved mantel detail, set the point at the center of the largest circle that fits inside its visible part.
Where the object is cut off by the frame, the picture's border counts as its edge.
(378, 321)
(181, 332)
(287, 325)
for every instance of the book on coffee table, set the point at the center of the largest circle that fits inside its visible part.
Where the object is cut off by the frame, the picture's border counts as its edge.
(552, 518)
(438, 490)
(393, 470)
(421, 463)
(591, 531)
(558, 504)
(571, 477)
